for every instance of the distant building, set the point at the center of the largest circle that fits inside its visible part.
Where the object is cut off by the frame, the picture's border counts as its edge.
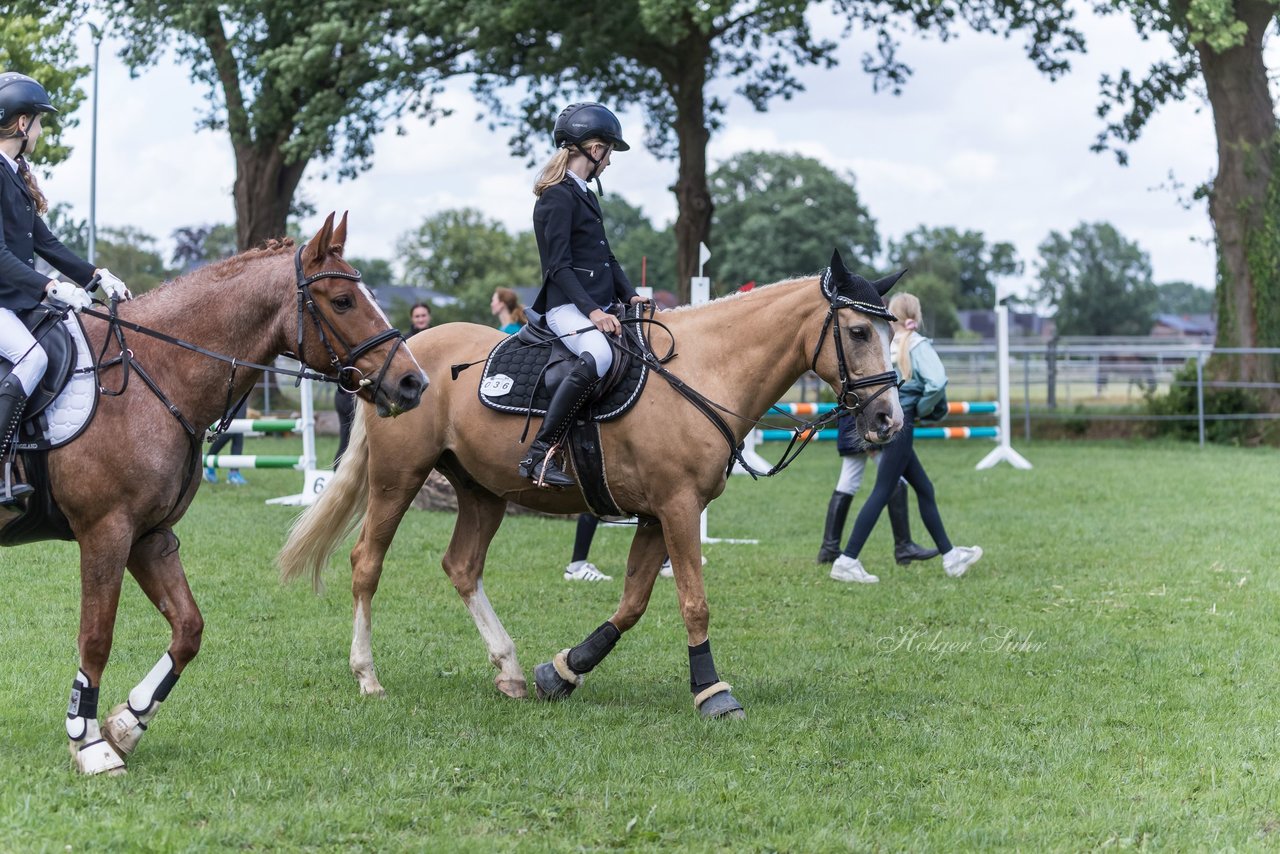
(1201, 327)
(1022, 324)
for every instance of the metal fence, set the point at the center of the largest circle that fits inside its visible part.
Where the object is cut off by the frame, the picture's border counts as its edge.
(1076, 379)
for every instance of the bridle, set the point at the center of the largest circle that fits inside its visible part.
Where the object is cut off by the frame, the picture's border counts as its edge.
(848, 397)
(344, 367)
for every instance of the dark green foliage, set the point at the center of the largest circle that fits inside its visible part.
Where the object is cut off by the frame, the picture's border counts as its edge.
(963, 258)
(1098, 282)
(1183, 298)
(632, 236)
(38, 39)
(780, 215)
(1181, 400)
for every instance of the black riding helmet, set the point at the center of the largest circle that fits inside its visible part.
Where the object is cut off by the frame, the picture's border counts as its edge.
(20, 95)
(581, 122)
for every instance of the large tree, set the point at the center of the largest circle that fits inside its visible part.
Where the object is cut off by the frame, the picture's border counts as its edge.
(1098, 282)
(661, 55)
(296, 81)
(639, 245)
(963, 258)
(37, 38)
(780, 215)
(466, 255)
(1218, 54)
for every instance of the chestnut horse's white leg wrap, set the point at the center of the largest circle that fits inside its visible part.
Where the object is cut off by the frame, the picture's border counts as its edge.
(90, 753)
(128, 721)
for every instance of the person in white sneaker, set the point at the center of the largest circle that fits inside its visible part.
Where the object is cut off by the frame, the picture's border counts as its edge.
(924, 383)
(579, 568)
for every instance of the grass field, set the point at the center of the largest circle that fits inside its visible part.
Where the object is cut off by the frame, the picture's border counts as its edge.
(1105, 677)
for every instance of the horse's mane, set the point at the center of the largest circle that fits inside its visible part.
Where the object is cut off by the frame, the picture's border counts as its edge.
(734, 295)
(220, 270)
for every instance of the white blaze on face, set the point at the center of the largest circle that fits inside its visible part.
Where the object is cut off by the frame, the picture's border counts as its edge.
(373, 302)
(886, 342)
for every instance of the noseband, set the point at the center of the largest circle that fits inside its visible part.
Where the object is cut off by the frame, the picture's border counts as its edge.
(345, 368)
(848, 398)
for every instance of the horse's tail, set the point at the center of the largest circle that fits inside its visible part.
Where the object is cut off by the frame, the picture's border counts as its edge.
(335, 514)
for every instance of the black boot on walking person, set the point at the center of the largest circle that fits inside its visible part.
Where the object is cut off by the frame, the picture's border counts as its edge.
(837, 512)
(904, 551)
(12, 401)
(540, 464)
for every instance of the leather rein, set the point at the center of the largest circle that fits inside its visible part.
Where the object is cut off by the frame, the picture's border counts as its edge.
(849, 399)
(306, 305)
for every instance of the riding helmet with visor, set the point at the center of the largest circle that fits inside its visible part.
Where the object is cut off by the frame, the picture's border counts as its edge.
(579, 123)
(20, 95)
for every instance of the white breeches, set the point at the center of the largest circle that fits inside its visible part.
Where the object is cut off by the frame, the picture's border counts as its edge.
(18, 346)
(564, 319)
(851, 469)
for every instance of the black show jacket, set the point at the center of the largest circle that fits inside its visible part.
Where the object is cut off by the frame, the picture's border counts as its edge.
(577, 265)
(23, 237)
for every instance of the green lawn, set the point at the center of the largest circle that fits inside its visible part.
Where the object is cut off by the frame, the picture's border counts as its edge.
(1105, 677)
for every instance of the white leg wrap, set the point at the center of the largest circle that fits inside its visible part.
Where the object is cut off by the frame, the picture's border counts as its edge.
(707, 694)
(561, 662)
(124, 729)
(91, 754)
(159, 680)
(127, 723)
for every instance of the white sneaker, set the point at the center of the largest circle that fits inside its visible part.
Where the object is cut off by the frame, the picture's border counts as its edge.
(583, 570)
(668, 572)
(850, 569)
(956, 562)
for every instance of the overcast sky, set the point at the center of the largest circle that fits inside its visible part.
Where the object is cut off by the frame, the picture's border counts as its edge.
(978, 140)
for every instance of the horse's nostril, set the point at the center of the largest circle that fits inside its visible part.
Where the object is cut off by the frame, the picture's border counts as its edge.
(412, 385)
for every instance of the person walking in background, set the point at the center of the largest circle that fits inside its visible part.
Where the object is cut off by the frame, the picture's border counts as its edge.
(237, 447)
(579, 568)
(924, 380)
(505, 306)
(853, 462)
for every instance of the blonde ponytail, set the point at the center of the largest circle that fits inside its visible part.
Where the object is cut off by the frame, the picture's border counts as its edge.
(905, 307)
(553, 172)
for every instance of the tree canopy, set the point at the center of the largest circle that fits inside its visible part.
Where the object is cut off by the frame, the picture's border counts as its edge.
(38, 39)
(780, 215)
(1098, 282)
(962, 258)
(293, 81)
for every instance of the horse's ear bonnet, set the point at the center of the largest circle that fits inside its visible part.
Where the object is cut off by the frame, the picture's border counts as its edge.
(849, 290)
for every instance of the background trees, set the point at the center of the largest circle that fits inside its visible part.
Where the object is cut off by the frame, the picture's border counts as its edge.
(38, 39)
(1098, 282)
(780, 215)
(293, 82)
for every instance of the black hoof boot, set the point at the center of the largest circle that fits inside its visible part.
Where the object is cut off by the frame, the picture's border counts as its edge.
(904, 553)
(718, 702)
(549, 678)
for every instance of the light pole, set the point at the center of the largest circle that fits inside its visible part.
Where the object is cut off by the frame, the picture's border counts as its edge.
(96, 31)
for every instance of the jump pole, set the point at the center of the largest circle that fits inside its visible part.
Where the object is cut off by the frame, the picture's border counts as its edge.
(699, 293)
(314, 480)
(1003, 451)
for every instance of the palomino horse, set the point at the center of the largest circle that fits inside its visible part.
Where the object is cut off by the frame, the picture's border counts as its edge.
(125, 482)
(665, 461)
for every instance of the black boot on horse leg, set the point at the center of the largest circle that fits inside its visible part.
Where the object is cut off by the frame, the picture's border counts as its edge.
(904, 551)
(13, 400)
(711, 697)
(556, 679)
(540, 464)
(837, 513)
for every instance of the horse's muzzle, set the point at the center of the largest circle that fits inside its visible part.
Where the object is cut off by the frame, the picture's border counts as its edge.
(403, 396)
(882, 425)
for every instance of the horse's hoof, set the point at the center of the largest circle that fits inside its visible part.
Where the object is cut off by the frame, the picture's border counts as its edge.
(551, 685)
(96, 757)
(516, 689)
(718, 702)
(123, 730)
(375, 690)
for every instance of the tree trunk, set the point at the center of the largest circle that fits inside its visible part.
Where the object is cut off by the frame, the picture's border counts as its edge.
(693, 196)
(1245, 124)
(264, 190)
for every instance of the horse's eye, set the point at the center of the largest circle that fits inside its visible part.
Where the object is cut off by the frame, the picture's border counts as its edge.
(343, 303)
(858, 333)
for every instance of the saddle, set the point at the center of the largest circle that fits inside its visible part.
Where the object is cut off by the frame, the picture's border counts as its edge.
(522, 372)
(58, 410)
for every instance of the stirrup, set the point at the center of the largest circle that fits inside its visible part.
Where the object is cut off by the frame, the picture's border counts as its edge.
(13, 494)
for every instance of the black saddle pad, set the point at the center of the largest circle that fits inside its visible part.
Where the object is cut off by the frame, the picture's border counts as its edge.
(515, 373)
(45, 324)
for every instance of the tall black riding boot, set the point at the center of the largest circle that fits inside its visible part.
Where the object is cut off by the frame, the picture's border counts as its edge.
(837, 512)
(904, 551)
(12, 401)
(539, 465)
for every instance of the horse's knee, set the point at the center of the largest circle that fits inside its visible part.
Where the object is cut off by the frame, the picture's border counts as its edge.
(696, 614)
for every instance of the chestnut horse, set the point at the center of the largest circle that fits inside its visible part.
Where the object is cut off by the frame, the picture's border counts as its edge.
(130, 476)
(665, 461)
